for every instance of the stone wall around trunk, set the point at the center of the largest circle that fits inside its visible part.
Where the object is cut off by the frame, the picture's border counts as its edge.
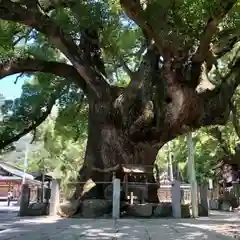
(100, 208)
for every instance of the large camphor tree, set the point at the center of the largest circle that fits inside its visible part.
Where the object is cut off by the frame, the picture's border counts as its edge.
(148, 71)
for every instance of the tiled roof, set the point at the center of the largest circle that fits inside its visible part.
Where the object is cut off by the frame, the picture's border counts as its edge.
(15, 171)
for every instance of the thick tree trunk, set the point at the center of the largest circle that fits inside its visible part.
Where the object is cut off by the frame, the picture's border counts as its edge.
(130, 125)
(108, 147)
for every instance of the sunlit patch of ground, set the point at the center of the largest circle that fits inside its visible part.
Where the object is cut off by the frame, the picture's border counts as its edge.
(231, 230)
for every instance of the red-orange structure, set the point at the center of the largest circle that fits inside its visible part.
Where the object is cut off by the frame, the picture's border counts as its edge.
(11, 179)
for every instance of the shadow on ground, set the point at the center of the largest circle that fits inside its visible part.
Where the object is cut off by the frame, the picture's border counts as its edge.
(134, 229)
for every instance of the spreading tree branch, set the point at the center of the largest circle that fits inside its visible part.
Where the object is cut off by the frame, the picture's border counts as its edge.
(225, 41)
(235, 120)
(217, 134)
(34, 136)
(210, 30)
(28, 65)
(126, 68)
(215, 103)
(48, 6)
(33, 123)
(29, 16)
(135, 12)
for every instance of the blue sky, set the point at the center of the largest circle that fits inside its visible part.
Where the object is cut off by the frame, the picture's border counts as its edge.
(9, 89)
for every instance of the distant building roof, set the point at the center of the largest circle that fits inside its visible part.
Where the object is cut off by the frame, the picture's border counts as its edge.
(15, 171)
(9, 178)
(39, 177)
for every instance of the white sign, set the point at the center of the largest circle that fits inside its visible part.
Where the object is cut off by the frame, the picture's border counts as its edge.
(210, 184)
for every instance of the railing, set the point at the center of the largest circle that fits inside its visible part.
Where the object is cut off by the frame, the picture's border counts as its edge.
(33, 194)
(36, 193)
(165, 193)
(164, 190)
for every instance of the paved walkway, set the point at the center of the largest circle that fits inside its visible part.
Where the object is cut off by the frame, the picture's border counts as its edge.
(15, 228)
(4, 208)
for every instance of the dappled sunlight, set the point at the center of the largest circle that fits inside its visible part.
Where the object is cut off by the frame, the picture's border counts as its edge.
(196, 235)
(51, 228)
(101, 233)
(224, 226)
(41, 220)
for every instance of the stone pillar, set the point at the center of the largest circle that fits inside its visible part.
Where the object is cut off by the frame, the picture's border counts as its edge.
(116, 199)
(170, 166)
(55, 197)
(39, 194)
(176, 199)
(126, 186)
(192, 175)
(204, 210)
(24, 200)
(236, 190)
